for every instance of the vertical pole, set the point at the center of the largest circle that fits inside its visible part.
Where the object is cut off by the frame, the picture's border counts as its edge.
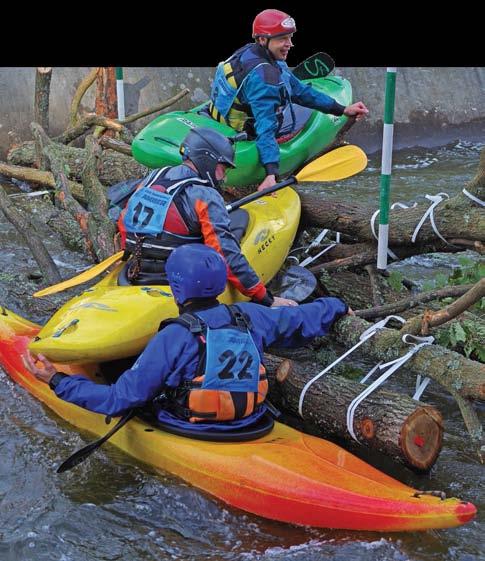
(120, 93)
(386, 165)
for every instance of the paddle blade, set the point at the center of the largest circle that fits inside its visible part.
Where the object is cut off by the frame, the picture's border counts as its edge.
(78, 457)
(338, 164)
(295, 282)
(83, 277)
(316, 66)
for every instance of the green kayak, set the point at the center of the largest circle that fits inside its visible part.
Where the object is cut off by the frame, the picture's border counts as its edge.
(157, 145)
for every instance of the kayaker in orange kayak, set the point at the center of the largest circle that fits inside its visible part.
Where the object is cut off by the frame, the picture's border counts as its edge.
(204, 369)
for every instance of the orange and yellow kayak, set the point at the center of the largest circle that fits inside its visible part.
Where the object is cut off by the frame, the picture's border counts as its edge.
(285, 475)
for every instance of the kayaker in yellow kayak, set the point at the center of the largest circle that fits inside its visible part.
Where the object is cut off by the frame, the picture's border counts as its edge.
(182, 204)
(254, 91)
(204, 369)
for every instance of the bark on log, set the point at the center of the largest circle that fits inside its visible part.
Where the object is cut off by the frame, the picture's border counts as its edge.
(452, 370)
(113, 166)
(26, 230)
(473, 295)
(63, 196)
(454, 218)
(408, 303)
(406, 430)
(105, 103)
(41, 98)
(83, 87)
(457, 374)
(41, 177)
(117, 145)
(101, 229)
(84, 125)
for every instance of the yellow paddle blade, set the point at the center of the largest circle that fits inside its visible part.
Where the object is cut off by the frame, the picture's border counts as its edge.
(83, 277)
(337, 164)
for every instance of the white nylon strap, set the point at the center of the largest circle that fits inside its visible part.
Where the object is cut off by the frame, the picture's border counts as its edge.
(318, 239)
(391, 254)
(310, 259)
(367, 334)
(436, 200)
(394, 365)
(473, 197)
(420, 386)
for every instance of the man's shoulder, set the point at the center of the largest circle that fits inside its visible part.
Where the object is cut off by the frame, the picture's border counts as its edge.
(268, 73)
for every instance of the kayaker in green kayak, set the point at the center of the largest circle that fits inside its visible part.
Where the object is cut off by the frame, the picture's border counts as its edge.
(202, 370)
(182, 204)
(254, 90)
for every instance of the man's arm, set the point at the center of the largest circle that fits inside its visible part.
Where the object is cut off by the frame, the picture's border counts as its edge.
(292, 327)
(215, 227)
(307, 96)
(134, 388)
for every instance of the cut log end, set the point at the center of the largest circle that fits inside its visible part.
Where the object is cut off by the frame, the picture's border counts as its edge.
(422, 438)
(367, 429)
(283, 371)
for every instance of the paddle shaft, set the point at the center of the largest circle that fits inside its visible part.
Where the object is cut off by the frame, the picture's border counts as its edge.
(79, 456)
(233, 206)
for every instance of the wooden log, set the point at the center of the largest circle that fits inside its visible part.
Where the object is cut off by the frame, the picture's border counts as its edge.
(41, 177)
(102, 230)
(83, 87)
(113, 166)
(84, 125)
(454, 218)
(27, 229)
(450, 369)
(416, 300)
(43, 76)
(105, 103)
(408, 431)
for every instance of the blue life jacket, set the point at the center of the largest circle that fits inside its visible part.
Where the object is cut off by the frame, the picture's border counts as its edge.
(225, 105)
(230, 382)
(153, 219)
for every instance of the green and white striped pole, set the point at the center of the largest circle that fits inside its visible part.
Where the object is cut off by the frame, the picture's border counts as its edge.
(120, 93)
(386, 166)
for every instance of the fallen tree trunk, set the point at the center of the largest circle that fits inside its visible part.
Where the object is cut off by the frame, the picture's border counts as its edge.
(113, 166)
(27, 230)
(458, 375)
(408, 431)
(456, 218)
(411, 302)
(41, 177)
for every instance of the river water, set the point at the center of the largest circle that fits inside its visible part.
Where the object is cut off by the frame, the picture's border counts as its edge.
(115, 508)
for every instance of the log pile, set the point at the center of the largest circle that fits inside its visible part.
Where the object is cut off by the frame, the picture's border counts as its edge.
(409, 431)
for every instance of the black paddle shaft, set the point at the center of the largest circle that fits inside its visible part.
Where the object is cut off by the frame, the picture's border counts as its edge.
(236, 204)
(85, 452)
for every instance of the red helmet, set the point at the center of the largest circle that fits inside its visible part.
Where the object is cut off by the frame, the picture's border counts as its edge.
(273, 23)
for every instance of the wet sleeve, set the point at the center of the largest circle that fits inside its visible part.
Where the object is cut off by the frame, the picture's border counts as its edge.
(305, 95)
(293, 326)
(264, 99)
(136, 386)
(215, 227)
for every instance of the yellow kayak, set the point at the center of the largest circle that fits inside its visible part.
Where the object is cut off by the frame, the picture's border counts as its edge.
(110, 321)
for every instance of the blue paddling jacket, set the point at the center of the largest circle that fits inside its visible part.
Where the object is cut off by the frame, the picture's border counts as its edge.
(172, 357)
(251, 91)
